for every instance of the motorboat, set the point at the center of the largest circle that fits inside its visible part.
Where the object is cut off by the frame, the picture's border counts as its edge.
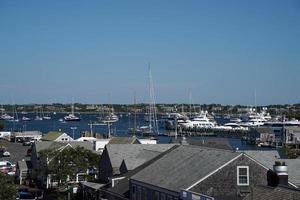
(26, 118)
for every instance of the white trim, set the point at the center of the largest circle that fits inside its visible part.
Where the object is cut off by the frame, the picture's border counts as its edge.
(238, 175)
(208, 175)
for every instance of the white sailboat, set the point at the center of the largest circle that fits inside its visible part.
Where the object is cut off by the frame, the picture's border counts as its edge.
(152, 128)
(71, 116)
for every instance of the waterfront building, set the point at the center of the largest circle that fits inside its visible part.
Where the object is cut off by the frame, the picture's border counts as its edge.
(291, 136)
(57, 136)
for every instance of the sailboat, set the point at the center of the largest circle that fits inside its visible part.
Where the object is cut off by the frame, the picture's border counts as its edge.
(4, 115)
(71, 116)
(152, 128)
(15, 118)
(109, 117)
(134, 130)
(38, 117)
(45, 117)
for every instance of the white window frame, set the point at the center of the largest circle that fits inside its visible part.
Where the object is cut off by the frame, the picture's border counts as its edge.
(238, 175)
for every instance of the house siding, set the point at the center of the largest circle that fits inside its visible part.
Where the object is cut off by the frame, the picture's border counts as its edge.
(105, 167)
(223, 184)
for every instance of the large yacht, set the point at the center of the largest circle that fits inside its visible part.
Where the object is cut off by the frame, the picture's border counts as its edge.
(199, 121)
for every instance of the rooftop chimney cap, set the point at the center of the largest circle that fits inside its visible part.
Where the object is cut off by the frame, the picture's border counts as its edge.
(280, 168)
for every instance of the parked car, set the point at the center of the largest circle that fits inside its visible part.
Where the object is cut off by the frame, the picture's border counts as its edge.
(7, 167)
(6, 154)
(27, 143)
(25, 196)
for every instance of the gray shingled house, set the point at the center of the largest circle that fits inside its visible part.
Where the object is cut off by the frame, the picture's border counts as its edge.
(118, 159)
(37, 147)
(192, 172)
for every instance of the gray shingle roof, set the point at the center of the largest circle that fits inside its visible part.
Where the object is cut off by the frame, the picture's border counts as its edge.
(274, 193)
(134, 154)
(218, 143)
(184, 166)
(24, 165)
(268, 158)
(42, 145)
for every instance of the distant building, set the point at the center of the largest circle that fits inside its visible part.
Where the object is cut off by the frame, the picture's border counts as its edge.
(26, 135)
(291, 136)
(262, 135)
(57, 137)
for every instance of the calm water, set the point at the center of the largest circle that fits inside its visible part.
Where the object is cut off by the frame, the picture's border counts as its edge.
(119, 128)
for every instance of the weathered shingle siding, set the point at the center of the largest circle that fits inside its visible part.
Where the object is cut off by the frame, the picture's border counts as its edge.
(105, 168)
(223, 184)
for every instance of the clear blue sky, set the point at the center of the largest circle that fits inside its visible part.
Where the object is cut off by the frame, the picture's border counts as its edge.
(52, 51)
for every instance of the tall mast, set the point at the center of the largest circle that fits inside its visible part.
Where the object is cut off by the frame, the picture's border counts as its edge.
(152, 114)
(134, 107)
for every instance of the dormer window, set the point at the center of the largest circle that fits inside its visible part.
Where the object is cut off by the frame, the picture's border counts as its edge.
(243, 175)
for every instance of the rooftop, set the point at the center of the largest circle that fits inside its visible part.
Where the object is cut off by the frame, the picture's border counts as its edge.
(171, 171)
(52, 135)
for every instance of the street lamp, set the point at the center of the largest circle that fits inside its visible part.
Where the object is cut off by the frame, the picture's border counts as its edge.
(73, 129)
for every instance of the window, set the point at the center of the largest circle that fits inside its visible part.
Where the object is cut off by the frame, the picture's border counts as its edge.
(243, 175)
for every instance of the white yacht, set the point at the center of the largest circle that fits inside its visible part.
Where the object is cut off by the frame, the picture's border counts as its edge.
(200, 121)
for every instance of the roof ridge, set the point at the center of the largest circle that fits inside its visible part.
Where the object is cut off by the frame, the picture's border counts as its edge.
(212, 148)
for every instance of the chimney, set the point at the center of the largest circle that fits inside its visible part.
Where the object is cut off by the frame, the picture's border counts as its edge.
(280, 169)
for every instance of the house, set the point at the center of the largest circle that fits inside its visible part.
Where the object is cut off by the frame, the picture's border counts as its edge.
(23, 171)
(291, 136)
(193, 172)
(268, 158)
(119, 189)
(57, 136)
(37, 173)
(262, 135)
(99, 144)
(26, 135)
(118, 159)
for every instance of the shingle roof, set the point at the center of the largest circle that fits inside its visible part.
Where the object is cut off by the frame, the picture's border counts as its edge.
(24, 165)
(268, 158)
(122, 186)
(134, 154)
(52, 135)
(42, 145)
(274, 193)
(122, 140)
(178, 170)
(218, 143)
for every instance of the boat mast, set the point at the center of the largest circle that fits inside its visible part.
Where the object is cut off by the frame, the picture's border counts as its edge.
(152, 104)
(134, 107)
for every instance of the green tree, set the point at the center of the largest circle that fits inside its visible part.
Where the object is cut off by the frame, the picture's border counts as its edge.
(1, 126)
(7, 187)
(67, 162)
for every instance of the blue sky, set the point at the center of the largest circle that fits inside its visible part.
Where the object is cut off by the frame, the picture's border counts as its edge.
(53, 51)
